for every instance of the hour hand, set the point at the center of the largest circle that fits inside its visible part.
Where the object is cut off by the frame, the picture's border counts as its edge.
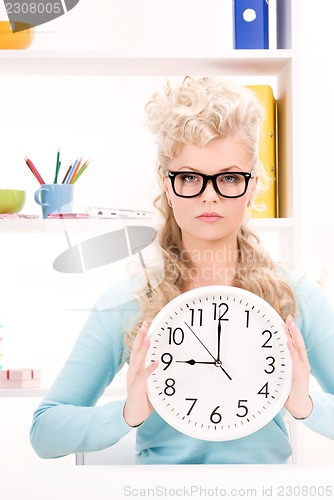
(216, 363)
(193, 362)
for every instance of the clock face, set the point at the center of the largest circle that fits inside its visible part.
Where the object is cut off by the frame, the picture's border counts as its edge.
(224, 366)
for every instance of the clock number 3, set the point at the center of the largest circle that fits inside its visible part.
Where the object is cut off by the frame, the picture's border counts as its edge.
(271, 365)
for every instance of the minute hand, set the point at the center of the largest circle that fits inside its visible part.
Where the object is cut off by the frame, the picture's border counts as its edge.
(219, 335)
(217, 362)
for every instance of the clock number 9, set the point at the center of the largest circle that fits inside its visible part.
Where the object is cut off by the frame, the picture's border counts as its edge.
(166, 358)
(176, 336)
(221, 315)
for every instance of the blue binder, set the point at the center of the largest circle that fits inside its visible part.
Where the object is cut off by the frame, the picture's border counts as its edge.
(251, 24)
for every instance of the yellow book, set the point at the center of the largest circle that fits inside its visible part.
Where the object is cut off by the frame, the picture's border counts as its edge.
(265, 205)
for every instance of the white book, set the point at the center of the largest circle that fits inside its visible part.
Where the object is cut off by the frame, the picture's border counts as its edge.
(272, 24)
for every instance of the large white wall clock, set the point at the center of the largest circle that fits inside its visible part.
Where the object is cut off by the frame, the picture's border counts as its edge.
(224, 366)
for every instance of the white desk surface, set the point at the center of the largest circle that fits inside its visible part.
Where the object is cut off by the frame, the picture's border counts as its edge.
(177, 481)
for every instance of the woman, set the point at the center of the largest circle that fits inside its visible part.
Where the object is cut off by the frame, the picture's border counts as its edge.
(207, 132)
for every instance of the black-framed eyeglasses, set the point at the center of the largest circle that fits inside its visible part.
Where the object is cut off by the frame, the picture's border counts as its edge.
(226, 184)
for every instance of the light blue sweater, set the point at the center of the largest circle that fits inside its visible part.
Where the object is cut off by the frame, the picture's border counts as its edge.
(67, 422)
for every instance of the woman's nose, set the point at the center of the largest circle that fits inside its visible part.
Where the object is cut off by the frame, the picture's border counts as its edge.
(209, 193)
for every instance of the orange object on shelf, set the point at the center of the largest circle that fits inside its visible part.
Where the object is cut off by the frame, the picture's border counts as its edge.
(18, 40)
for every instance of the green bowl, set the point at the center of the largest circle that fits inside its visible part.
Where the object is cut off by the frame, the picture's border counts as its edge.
(11, 201)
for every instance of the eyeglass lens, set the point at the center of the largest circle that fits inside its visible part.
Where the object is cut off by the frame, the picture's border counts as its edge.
(229, 184)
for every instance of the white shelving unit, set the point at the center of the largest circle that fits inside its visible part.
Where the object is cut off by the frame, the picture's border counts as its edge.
(249, 66)
(279, 65)
(112, 63)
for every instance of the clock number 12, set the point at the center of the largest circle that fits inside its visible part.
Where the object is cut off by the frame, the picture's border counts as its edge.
(221, 315)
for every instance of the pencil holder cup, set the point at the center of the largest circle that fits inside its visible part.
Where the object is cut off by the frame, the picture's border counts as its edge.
(55, 198)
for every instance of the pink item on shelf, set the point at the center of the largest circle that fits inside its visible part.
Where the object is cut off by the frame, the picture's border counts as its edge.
(20, 378)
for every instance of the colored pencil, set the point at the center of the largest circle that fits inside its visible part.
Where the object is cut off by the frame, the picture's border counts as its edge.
(71, 172)
(83, 168)
(75, 171)
(68, 171)
(57, 168)
(34, 170)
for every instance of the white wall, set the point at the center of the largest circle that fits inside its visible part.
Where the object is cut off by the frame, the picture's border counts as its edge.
(25, 265)
(317, 129)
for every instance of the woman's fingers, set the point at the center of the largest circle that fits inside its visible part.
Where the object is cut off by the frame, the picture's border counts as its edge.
(297, 342)
(298, 403)
(137, 407)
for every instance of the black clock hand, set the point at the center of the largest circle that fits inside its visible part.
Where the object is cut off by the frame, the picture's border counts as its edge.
(217, 362)
(193, 362)
(192, 331)
(219, 334)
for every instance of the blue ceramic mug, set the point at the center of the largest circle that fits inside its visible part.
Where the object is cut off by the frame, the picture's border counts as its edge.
(55, 198)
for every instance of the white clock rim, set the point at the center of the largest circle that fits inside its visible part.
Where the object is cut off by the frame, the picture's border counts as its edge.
(193, 294)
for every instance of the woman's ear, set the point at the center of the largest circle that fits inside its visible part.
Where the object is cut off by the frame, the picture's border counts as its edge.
(165, 183)
(253, 190)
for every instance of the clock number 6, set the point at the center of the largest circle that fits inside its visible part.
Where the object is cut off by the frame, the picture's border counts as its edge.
(215, 417)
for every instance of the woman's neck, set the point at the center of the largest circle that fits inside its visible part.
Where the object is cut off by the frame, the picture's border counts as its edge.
(211, 264)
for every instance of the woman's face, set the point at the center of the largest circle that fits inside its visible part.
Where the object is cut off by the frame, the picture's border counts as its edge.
(210, 217)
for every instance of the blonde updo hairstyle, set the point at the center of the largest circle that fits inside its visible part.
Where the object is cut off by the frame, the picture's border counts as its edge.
(195, 112)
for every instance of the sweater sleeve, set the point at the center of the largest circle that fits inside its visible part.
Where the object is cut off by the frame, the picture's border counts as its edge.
(66, 420)
(316, 322)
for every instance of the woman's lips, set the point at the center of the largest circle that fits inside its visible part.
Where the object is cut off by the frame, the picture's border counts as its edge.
(209, 217)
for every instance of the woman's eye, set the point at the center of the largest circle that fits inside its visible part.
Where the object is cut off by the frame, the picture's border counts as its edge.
(229, 179)
(189, 178)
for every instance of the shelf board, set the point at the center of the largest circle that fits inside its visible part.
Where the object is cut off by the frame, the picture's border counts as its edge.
(121, 63)
(93, 225)
(262, 224)
(112, 392)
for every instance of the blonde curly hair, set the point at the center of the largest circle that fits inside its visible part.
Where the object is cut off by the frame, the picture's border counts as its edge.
(195, 112)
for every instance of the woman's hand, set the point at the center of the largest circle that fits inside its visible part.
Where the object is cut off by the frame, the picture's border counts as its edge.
(299, 403)
(138, 407)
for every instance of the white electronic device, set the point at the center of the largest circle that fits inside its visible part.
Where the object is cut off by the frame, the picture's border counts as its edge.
(118, 213)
